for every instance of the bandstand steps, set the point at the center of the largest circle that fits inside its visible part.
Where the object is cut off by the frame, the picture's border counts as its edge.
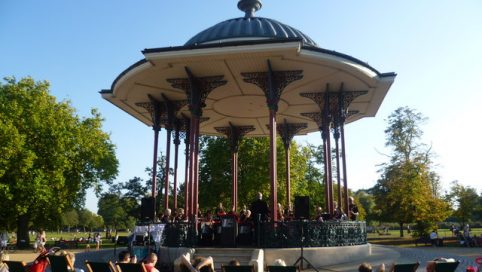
(225, 255)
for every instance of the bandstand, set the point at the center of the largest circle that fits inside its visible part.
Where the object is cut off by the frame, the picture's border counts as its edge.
(253, 77)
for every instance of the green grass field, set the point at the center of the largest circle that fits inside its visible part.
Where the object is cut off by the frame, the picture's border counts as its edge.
(392, 237)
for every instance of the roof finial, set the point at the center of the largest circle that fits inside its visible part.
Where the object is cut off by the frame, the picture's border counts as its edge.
(249, 7)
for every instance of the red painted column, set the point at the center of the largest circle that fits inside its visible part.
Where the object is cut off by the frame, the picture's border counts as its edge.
(233, 179)
(191, 166)
(154, 168)
(326, 176)
(187, 184)
(343, 158)
(168, 155)
(272, 165)
(330, 179)
(196, 170)
(338, 170)
(176, 157)
(288, 177)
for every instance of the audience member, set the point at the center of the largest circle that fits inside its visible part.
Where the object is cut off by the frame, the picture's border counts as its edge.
(431, 264)
(366, 267)
(199, 264)
(150, 262)
(124, 257)
(3, 257)
(234, 262)
(279, 262)
(71, 257)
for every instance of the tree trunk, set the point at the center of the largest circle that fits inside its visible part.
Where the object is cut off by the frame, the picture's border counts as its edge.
(23, 239)
(401, 229)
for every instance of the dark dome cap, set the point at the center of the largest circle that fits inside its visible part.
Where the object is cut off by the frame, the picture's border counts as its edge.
(249, 7)
(249, 28)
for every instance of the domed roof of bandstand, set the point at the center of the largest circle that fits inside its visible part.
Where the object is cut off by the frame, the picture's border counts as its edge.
(242, 45)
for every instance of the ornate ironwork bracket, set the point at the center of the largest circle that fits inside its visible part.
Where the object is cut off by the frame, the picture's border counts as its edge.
(155, 109)
(168, 117)
(288, 130)
(234, 134)
(197, 89)
(315, 116)
(272, 83)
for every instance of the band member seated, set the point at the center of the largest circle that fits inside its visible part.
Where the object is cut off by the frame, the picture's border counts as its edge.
(352, 209)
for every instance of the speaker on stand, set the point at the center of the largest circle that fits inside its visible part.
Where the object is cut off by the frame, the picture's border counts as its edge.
(302, 213)
(147, 209)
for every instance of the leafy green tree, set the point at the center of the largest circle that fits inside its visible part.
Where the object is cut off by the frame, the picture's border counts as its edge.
(465, 200)
(89, 220)
(253, 163)
(70, 218)
(49, 156)
(405, 193)
(161, 181)
(114, 210)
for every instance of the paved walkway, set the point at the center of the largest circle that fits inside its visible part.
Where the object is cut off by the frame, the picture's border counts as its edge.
(380, 254)
(390, 254)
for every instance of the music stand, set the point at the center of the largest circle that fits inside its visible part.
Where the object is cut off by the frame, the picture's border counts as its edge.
(302, 258)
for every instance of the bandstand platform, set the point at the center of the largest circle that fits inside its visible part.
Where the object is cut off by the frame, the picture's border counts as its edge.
(320, 243)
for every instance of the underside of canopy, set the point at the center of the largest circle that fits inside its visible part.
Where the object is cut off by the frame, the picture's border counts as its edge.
(244, 104)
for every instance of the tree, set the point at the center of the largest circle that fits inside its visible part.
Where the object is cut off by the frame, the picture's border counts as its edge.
(114, 210)
(465, 200)
(253, 162)
(89, 220)
(405, 191)
(161, 181)
(49, 156)
(70, 218)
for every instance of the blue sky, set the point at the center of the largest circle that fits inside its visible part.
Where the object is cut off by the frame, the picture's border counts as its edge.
(433, 46)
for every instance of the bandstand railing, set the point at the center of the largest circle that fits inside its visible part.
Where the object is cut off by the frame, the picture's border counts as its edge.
(277, 235)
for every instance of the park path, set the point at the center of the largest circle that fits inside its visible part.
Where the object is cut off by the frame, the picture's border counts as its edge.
(392, 254)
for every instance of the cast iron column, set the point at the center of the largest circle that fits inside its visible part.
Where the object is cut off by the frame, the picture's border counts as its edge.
(197, 90)
(154, 107)
(187, 183)
(177, 142)
(287, 131)
(273, 83)
(168, 155)
(234, 134)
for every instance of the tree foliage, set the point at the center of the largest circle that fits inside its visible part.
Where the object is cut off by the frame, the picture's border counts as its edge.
(465, 201)
(253, 163)
(405, 192)
(49, 156)
(117, 210)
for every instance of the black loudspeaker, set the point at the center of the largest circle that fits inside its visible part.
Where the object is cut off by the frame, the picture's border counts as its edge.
(147, 208)
(302, 207)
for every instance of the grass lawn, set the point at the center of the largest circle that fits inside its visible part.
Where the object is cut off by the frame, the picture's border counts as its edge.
(71, 236)
(393, 238)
